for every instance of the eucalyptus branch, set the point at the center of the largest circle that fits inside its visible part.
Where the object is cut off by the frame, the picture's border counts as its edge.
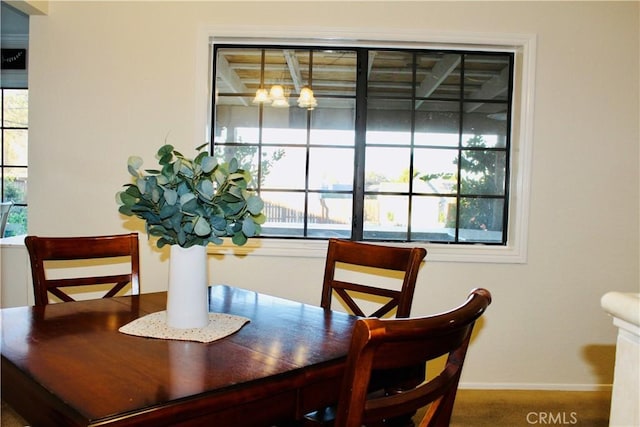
(192, 201)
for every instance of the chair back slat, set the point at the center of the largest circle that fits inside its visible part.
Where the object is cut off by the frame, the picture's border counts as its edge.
(101, 248)
(379, 257)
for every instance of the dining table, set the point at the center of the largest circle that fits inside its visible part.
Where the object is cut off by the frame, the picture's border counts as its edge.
(68, 364)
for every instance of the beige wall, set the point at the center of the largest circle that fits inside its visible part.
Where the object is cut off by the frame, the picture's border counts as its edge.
(112, 79)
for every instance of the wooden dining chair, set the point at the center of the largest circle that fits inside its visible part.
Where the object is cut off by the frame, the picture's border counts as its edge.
(381, 344)
(377, 257)
(100, 249)
(381, 260)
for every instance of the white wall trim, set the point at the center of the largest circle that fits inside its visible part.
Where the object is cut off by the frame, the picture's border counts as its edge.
(523, 45)
(536, 386)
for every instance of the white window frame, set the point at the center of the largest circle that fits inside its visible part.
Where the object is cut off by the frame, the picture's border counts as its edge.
(522, 45)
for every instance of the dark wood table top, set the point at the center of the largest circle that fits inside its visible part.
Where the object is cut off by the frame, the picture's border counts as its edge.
(67, 364)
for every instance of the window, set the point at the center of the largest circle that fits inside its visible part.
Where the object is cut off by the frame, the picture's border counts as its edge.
(13, 159)
(399, 145)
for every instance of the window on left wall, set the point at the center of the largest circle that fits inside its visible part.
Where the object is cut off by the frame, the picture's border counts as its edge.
(13, 157)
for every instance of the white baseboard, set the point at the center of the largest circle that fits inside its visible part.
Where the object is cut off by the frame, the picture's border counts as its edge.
(536, 386)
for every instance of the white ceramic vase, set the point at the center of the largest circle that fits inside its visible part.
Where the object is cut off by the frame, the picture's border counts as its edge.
(187, 301)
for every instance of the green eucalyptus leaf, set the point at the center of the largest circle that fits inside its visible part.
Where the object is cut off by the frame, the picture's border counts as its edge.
(133, 191)
(220, 233)
(183, 188)
(206, 190)
(165, 159)
(233, 195)
(259, 219)
(165, 149)
(235, 208)
(248, 227)
(156, 231)
(255, 205)
(155, 194)
(171, 196)
(218, 222)
(239, 239)
(233, 165)
(168, 211)
(133, 164)
(141, 183)
(202, 227)
(215, 240)
(208, 164)
(126, 199)
(187, 171)
(186, 198)
(133, 172)
(199, 157)
(125, 210)
(190, 207)
(220, 176)
(176, 221)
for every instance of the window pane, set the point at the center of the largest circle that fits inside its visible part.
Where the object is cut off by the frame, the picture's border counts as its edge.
(387, 169)
(481, 220)
(486, 77)
(437, 124)
(15, 185)
(337, 177)
(433, 218)
(236, 123)
(276, 70)
(15, 109)
(334, 73)
(284, 212)
(333, 124)
(390, 74)
(483, 172)
(284, 125)
(17, 221)
(386, 217)
(486, 126)
(15, 147)
(438, 75)
(290, 168)
(435, 171)
(330, 215)
(389, 122)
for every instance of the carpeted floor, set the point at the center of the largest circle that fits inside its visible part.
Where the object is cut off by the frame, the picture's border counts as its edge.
(499, 408)
(515, 408)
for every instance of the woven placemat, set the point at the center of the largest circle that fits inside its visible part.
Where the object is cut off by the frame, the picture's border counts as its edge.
(154, 325)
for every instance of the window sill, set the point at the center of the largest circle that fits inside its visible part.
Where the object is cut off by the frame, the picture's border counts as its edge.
(318, 249)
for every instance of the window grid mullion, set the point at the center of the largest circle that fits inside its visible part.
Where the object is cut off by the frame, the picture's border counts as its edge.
(360, 145)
